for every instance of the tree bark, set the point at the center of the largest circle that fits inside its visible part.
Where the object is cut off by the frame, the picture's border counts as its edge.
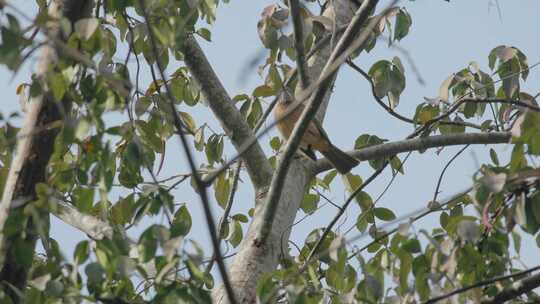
(417, 144)
(234, 124)
(29, 165)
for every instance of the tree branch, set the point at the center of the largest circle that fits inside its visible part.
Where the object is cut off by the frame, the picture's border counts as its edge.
(533, 282)
(299, 42)
(394, 113)
(517, 288)
(422, 143)
(94, 227)
(233, 122)
(439, 180)
(423, 212)
(518, 103)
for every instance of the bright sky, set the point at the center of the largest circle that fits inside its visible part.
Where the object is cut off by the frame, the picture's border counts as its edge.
(444, 38)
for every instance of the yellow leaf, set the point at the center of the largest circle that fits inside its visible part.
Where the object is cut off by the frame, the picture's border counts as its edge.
(20, 88)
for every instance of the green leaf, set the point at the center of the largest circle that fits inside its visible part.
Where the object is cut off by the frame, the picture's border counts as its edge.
(94, 273)
(532, 213)
(380, 75)
(396, 164)
(23, 253)
(147, 245)
(329, 177)
(254, 112)
(122, 212)
(188, 121)
(267, 289)
(362, 221)
(455, 220)
(351, 182)
(493, 156)
(141, 105)
(58, 85)
(222, 189)
(86, 27)
(81, 253)
(384, 214)
(364, 200)
(205, 33)
(403, 24)
(240, 217)
(275, 143)
(517, 241)
(425, 112)
(309, 203)
(366, 140)
(412, 246)
(236, 233)
(199, 139)
(83, 198)
(405, 261)
(54, 288)
(263, 91)
(182, 222)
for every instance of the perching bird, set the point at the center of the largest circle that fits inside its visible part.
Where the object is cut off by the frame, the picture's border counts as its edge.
(314, 138)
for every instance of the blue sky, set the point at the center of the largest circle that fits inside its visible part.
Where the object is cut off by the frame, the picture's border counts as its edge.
(444, 38)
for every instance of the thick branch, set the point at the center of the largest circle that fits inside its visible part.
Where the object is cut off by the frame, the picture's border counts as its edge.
(233, 123)
(94, 227)
(422, 143)
(516, 290)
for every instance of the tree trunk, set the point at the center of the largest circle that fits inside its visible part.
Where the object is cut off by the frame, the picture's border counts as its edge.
(29, 166)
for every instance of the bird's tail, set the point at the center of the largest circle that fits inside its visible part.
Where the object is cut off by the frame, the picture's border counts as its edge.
(342, 161)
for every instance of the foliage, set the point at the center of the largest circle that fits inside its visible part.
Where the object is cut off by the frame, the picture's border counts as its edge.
(95, 159)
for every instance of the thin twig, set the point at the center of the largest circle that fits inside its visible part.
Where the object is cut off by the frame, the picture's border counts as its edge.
(223, 220)
(436, 193)
(481, 284)
(390, 110)
(460, 100)
(340, 213)
(299, 42)
(421, 213)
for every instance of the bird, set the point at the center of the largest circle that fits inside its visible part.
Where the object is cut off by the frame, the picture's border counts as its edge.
(315, 138)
